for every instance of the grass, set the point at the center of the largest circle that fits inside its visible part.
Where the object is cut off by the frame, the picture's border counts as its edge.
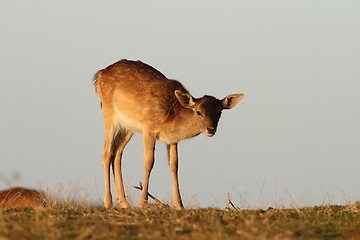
(77, 221)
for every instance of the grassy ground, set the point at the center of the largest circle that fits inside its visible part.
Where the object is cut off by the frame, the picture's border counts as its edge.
(158, 222)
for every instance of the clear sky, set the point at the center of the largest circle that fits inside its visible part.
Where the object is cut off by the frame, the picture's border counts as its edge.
(293, 140)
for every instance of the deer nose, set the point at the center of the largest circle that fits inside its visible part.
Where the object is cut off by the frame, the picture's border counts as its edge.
(211, 130)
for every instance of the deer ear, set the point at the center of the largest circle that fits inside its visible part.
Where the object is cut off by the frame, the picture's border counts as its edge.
(231, 100)
(185, 99)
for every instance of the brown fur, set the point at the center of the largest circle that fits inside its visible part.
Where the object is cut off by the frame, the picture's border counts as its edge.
(135, 97)
(22, 198)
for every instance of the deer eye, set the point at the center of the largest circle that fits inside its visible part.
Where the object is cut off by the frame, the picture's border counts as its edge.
(198, 113)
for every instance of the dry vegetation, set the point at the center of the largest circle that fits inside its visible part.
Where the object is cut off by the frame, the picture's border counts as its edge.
(78, 221)
(69, 215)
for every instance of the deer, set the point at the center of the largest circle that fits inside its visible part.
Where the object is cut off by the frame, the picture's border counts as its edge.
(137, 98)
(21, 198)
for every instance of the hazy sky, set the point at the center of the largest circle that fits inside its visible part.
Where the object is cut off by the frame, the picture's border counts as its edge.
(293, 140)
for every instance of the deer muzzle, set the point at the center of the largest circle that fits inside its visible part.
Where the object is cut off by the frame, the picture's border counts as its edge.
(210, 131)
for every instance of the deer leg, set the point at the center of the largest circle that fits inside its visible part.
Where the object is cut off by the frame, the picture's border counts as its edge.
(149, 148)
(173, 161)
(122, 138)
(106, 162)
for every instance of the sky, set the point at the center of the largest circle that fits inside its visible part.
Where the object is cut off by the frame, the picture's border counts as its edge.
(292, 141)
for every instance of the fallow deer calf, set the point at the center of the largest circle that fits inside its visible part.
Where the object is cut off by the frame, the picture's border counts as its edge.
(22, 198)
(135, 97)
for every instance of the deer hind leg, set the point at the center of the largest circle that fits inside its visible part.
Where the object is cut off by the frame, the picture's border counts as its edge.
(108, 153)
(106, 162)
(149, 148)
(173, 161)
(122, 138)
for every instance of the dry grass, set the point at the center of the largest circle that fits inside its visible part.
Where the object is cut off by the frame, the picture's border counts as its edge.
(75, 221)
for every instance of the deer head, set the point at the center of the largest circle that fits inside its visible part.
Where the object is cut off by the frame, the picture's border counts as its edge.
(207, 110)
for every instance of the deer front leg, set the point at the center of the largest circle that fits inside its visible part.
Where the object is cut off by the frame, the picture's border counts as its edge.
(173, 160)
(149, 148)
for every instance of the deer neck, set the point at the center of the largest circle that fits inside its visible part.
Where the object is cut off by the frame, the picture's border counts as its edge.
(180, 125)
